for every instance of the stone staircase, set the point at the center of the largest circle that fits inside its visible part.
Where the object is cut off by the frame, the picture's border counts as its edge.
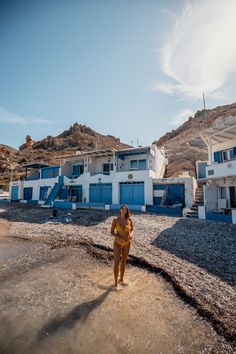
(193, 212)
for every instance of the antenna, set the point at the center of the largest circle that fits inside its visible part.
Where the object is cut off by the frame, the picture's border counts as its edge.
(204, 104)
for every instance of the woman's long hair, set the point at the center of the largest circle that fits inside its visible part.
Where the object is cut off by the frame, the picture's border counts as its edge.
(127, 214)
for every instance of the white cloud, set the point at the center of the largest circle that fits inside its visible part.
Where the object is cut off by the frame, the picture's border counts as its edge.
(12, 118)
(40, 121)
(181, 117)
(200, 53)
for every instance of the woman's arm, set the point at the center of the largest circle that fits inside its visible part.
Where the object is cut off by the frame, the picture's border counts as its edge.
(113, 227)
(132, 230)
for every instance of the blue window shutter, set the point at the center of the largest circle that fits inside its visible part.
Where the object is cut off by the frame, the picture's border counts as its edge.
(217, 156)
(234, 150)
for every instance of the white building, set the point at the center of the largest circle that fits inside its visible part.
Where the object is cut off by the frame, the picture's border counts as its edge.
(107, 177)
(220, 170)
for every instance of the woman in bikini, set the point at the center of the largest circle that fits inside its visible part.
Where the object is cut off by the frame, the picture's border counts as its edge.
(122, 229)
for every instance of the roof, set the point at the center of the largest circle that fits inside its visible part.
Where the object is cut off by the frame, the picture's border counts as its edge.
(35, 165)
(96, 153)
(133, 151)
(221, 131)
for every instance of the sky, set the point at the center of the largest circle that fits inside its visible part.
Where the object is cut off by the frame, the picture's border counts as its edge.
(135, 69)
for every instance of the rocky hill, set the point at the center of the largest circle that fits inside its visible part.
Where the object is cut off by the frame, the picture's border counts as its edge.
(184, 145)
(77, 137)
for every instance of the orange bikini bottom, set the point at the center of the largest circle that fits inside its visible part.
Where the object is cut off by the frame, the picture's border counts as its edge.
(121, 242)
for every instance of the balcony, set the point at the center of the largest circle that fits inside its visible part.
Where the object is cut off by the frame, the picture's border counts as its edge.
(32, 177)
(224, 169)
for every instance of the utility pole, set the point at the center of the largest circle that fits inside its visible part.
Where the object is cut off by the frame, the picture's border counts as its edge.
(204, 104)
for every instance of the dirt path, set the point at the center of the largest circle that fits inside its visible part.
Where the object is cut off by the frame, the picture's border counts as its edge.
(62, 301)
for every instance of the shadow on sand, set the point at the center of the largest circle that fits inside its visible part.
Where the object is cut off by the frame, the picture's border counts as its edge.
(209, 245)
(79, 313)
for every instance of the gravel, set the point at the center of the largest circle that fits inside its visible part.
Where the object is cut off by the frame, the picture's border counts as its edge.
(197, 257)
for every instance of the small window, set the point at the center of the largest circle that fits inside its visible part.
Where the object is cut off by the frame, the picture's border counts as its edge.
(225, 155)
(142, 164)
(134, 164)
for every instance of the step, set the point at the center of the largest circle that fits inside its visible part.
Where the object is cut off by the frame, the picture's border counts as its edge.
(191, 216)
(192, 212)
(194, 208)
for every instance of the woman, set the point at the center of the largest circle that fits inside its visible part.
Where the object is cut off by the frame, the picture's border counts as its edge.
(122, 229)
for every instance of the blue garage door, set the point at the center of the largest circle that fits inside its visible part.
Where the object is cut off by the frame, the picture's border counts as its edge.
(132, 193)
(175, 194)
(100, 193)
(28, 192)
(14, 193)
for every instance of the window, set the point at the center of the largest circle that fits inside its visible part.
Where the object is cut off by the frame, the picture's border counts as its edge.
(138, 164)
(78, 170)
(142, 164)
(229, 154)
(107, 167)
(225, 155)
(134, 164)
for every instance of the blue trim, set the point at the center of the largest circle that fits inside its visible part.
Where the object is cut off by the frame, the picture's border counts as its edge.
(33, 202)
(174, 211)
(131, 207)
(62, 205)
(219, 217)
(90, 205)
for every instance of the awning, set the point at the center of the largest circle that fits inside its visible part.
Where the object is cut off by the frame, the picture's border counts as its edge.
(35, 165)
(222, 130)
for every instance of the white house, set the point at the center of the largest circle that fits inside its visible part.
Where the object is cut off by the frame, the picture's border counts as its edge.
(220, 170)
(103, 178)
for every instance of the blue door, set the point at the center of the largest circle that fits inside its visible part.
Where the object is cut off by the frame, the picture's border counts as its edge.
(28, 192)
(202, 169)
(14, 193)
(43, 193)
(100, 193)
(132, 193)
(175, 194)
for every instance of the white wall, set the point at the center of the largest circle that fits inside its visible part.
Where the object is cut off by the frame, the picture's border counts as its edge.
(36, 184)
(210, 197)
(96, 163)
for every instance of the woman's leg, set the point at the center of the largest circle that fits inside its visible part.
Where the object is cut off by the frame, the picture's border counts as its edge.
(124, 256)
(117, 252)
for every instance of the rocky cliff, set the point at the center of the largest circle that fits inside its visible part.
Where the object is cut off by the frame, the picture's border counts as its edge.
(184, 145)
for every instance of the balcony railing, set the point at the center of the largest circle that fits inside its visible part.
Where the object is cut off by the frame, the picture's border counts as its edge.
(32, 177)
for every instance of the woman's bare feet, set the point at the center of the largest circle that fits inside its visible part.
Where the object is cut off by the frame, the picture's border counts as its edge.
(123, 283)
